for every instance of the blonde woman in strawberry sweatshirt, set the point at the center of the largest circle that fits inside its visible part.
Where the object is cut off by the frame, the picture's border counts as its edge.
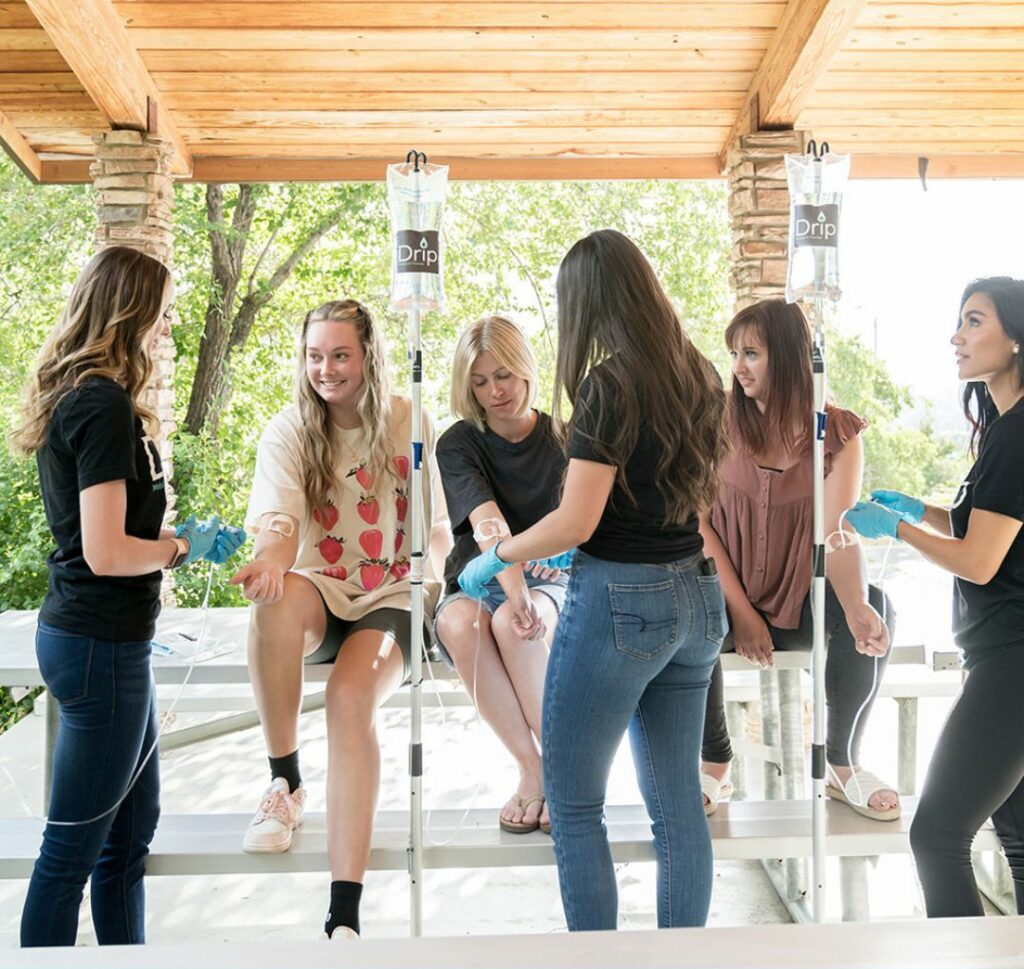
(329, 582)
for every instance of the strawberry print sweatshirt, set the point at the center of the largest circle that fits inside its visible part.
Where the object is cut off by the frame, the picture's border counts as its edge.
(356, 548)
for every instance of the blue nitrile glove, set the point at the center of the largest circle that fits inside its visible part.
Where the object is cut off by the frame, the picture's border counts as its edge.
(909, 509)
(561, 561)
(200, 536)
(873, 520)
(479, 571)
(228, 541)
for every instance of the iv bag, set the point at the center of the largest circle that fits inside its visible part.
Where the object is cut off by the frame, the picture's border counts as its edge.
(815, 200)
(417, 251)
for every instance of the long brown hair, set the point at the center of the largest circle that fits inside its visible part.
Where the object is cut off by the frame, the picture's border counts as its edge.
(1007, 295)
(317, 451)
(782, 330)
(613, 311)
(103, 331)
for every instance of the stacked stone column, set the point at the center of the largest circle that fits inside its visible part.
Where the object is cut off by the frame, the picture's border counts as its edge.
(759, 213)
(134, 207)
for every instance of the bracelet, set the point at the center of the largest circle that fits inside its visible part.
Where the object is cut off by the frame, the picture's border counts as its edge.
(497, 545)
(181, 550)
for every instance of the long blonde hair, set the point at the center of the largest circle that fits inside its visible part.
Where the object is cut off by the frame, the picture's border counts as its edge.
(317, 450)
(102, 332)
(500, 337)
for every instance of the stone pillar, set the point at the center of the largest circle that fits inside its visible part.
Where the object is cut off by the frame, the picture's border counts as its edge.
(759, 213)
(134, 205)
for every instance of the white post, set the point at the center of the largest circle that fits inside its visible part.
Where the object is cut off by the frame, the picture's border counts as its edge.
(416, 634)
(818, 614)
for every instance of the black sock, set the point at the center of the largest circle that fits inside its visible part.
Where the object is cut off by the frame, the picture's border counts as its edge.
(288, 768)
(344, 906)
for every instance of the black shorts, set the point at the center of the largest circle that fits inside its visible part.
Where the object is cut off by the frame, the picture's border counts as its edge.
(395, 622)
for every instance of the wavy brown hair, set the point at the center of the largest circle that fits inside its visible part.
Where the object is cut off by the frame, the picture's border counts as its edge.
(103, 331)
(613, 311)
(1007, 295)
(781, 328)
(317, 450)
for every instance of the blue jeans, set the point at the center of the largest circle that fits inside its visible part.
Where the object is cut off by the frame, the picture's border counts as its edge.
(107, 727)
(634, 649)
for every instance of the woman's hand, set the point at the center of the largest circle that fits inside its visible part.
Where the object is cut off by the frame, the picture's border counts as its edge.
(752, 639)
(870, 634)
(262, 581)
(526, 621)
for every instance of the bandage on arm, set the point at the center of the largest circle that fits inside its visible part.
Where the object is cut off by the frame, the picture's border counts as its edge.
(489, 526)
(277, 539)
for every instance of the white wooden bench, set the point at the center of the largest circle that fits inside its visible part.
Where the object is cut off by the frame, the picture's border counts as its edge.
(973, 943)
(188, 844)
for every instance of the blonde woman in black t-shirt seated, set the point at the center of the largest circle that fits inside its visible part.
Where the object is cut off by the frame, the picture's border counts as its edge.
(502, 469)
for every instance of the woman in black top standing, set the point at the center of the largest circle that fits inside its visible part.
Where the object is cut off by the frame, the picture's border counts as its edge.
(644, 615)
(977, 770)
(103, 490)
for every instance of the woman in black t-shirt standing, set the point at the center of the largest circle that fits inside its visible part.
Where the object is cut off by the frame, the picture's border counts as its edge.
(103, 490)
(501, 468)
(644, 615)
(977, 770)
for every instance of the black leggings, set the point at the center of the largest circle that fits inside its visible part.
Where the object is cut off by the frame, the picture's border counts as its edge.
(848, 677)
(976, 772)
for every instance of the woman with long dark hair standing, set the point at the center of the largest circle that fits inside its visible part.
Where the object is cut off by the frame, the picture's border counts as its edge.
(644, 615)
(977, 770)
(103, 489)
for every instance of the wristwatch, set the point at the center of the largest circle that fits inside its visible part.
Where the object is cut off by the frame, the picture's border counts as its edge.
(181, 550)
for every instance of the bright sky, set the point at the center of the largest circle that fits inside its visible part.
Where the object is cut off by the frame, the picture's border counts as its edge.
(907, 254)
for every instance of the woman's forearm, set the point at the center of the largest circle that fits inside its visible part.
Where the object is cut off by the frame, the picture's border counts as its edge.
(845, 570)
(937, 517)
(952, 554)
(557, 532)
(132, 556)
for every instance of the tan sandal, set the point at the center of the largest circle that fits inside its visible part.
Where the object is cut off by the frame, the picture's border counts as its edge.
(858, 791)
(521, 827)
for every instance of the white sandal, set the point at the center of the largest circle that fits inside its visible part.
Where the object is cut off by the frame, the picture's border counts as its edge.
(714, 790)
(859, 790)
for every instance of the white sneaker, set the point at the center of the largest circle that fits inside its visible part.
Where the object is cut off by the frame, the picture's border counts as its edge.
(279, 814)
(342, 934)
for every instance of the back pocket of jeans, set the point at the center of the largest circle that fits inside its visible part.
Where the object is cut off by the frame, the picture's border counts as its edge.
(65, 661)
(714, 607)
(646, 618)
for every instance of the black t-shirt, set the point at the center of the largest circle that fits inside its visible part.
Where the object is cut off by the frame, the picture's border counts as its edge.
(95, 436)
(990, 617)
(523, 477)
(629, 532)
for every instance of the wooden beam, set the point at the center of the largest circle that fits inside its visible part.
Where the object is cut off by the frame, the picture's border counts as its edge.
(808, 37)
(703, 167)
(92, 38)
(19, 149)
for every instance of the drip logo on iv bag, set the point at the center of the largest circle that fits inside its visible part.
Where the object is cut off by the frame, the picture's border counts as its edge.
(816, 225)
(417, 252)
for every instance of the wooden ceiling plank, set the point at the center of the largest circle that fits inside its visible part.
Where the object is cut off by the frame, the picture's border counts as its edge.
(93, 40)
(191, 102)
(297, 14)
(810, 34)
(452, 38)
(917, 101)
(351, 82)
(945, 62)
(936, 38)
(19, 149)
(485, 119)
(505, 139)
(41, 83)
(397, 149)
(934, 83)
(450, 61)
(24, 39)
(955, 14)
(871, 117)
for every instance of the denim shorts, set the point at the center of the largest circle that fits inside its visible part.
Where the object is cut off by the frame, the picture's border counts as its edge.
(554, 590)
